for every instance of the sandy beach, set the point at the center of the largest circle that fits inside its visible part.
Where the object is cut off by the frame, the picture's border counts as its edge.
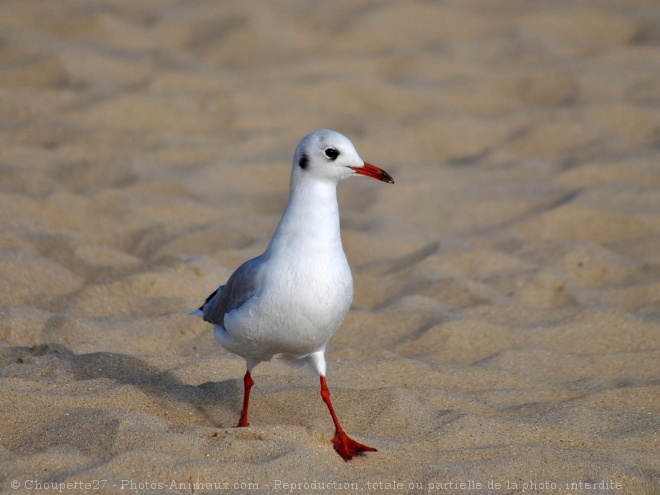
(505, 332)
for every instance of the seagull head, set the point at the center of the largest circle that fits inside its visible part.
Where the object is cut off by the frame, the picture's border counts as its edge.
(329, 155)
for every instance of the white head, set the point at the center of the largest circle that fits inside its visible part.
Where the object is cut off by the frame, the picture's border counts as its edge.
(328, 155)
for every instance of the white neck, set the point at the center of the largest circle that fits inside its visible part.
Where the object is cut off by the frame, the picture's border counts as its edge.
(311, 219)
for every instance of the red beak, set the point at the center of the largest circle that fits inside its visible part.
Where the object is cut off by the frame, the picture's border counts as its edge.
(372, 171)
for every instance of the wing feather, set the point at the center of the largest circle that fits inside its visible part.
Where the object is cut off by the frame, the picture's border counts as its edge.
(240, 287)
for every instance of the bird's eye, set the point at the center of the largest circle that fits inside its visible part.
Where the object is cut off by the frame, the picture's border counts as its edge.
(331, 153)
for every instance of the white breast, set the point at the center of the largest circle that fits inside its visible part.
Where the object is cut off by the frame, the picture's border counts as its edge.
(303, 302)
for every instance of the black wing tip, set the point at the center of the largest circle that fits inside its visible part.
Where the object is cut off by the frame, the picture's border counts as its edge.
(201, 308)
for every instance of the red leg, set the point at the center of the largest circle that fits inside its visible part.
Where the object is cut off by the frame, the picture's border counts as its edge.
(247, 383)
(344, 445)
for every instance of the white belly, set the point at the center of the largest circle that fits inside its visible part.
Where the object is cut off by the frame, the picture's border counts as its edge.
(301, 304)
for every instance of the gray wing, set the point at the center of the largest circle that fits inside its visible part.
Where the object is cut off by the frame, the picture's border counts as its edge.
(241, 286)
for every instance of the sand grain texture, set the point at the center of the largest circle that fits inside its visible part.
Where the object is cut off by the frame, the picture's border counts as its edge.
(506, 323)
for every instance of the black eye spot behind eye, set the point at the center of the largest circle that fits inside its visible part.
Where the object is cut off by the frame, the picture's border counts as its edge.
(331, 153)
(304, 161)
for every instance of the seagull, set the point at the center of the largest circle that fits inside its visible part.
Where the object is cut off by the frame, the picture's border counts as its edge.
(288, 302)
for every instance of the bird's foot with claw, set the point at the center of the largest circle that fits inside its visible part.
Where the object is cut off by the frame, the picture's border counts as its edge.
(347, 447)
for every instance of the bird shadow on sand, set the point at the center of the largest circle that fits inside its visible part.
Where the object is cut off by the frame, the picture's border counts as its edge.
(209, 399)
